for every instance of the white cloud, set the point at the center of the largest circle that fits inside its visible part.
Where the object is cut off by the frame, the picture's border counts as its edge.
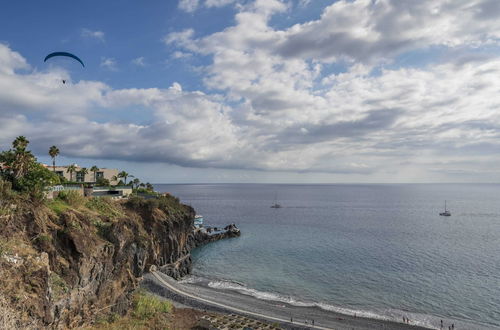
(109, 63)
(182, 38)
(178, 55)
(99, 35)
(218, 3)
(276, 105)
(139, 61)
(366, 30)
(191, 6)
(11, 61)
(188, 5)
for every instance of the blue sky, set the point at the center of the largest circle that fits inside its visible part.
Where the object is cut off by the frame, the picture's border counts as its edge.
(258, 90)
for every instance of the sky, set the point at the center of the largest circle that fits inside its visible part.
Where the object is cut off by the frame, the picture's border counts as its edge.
(263, 91)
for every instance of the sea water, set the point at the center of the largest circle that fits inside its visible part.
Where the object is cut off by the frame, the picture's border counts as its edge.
(380, 251)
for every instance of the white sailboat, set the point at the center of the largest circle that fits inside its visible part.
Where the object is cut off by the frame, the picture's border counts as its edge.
(276, 205)
(446, 213)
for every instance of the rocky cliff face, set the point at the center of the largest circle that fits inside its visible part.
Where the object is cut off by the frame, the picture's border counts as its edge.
(66, 268)
(182, 265)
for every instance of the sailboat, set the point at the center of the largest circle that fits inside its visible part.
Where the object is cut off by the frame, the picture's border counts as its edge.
(276, 205)
(446, 213)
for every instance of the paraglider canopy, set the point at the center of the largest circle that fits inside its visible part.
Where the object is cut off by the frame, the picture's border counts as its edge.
(63, 54)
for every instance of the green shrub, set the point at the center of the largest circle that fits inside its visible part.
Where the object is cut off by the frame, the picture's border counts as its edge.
(135, 202)
(44, 238)
(102, 182)
(58, 285)
(5, 190)
(147, 306)
(71, 197)
(58, 206)
(104, 206)
(103, 228)
(152, 203)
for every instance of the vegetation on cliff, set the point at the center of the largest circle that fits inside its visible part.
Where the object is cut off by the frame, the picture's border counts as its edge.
(72, 260)
(146, 312)
(67, 262)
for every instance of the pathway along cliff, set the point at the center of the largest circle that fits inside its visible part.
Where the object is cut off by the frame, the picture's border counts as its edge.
(67, 262)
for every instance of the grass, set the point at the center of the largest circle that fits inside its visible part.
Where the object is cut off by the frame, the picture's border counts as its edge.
(58, 206)
(58, 285)
(146, 306)
(148, 312)
(102, 227)
(72, 198)
(3, 247)
(104, 206)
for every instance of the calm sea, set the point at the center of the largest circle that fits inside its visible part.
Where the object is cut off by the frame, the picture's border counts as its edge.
(376, 250)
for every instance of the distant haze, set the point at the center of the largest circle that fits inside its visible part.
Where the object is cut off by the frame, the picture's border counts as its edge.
(259, 90)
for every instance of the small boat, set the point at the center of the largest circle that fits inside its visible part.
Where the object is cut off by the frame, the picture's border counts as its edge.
(446, 213)
(276, 205)
(198, 220)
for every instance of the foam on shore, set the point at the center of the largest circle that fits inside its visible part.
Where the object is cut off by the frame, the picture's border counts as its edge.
(392, 315)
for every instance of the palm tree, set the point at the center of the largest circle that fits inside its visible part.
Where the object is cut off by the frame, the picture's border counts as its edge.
(94, 169)
(22, 158)
(136, 183)
(53, 152)
(83, 172)
(124, 175)
(70, 170)
(20, 143)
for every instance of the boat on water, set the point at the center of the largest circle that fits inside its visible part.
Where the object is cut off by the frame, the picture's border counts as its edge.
(446, 213)
(198, 220)
(276, 205)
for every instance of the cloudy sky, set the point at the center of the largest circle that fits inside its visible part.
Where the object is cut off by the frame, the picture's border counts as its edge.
(258, 90)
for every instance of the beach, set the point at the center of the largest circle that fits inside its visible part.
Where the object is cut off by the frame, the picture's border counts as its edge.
(234, 303)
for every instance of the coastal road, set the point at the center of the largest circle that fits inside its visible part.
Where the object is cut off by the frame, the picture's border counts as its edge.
(234, 309)
(230, 302)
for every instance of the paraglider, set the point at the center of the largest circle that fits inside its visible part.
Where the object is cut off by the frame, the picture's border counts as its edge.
(63, 54)
(54, 54)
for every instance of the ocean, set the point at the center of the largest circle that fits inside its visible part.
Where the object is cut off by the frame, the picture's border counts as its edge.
(379, 250)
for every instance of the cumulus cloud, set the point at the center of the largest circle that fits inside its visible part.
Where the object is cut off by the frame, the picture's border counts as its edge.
(188, 5)
(179, 55)
(139, 61)
(191, 6)
(109, 63)
(10, 60)
(273, 103)
(218, 3)
(98, 35)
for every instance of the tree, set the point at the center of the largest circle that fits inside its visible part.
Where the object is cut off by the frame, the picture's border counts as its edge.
(94, 169)
(102, 182)
(53, 152)
(71, 169)
(124, 175)
(136, 183)
(21, 169)
(149, 186)
(83, 171)
(20, 143)
(22, 158)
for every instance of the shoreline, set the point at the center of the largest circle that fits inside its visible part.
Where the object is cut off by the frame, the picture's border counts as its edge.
(232, 302)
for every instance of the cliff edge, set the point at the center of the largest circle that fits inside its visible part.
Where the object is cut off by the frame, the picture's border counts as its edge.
(66, 262)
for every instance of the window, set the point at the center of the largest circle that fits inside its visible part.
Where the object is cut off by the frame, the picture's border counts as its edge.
(80, 177)
(99, 175)
(60, 173)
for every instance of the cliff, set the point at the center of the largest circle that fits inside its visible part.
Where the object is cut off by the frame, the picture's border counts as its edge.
(68, 262)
